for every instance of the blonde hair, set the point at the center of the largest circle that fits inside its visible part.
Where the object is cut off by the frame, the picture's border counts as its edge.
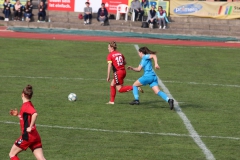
(113, 44)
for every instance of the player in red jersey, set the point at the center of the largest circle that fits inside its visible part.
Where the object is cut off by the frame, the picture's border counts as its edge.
(116, 62)
(30, 137)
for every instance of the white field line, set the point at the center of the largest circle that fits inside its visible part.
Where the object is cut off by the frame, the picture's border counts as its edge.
(191, 130)
(126, 132)
(93, 79)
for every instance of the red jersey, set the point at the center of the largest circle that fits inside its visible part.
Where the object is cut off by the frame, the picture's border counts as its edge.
(117, 59)
(25, 116)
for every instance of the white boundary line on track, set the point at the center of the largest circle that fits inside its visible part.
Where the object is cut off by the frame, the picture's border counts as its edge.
(115, 131)
(191, 130)
(92, 79)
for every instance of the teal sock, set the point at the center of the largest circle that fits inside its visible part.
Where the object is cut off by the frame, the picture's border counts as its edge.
(135, 92)
(163, 95)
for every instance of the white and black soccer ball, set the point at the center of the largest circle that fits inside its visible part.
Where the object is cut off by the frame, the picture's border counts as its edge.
(72, 97)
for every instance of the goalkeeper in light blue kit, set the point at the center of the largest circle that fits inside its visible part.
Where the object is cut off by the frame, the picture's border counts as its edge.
(149, 76)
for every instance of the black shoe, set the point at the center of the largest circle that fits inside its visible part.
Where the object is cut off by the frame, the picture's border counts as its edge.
(171, 103)
(135, 102)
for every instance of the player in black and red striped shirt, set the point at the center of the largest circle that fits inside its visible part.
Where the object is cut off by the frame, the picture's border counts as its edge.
(30, 137)
(117, 62)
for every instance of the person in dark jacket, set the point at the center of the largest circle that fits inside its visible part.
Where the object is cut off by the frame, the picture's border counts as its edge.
(42, 11)
(102, 14)
(7, 9)
(28, 11)
(152, 17)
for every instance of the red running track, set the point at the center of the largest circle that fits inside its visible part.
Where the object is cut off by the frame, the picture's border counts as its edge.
(9, 34)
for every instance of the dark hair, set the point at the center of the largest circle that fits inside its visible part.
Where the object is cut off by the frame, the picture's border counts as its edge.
(26, 5)
(145, 50)
(28, 91)
(87, 3)
(103, 4)
(113, 44)
(160, 7)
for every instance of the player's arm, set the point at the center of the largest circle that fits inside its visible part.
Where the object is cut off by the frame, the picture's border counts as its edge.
(109, 70)
(137, 69)
(154, 57)
(33, 120)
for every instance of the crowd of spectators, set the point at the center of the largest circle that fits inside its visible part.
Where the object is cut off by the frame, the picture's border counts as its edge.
(24, 12)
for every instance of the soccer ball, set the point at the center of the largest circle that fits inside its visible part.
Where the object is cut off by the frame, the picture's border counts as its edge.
(72, 97)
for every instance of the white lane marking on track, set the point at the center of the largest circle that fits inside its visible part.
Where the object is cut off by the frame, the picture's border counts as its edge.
(191, 130)
(115, 131)
(93, 79)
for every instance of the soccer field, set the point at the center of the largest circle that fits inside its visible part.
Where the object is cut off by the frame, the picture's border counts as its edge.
(204, 81)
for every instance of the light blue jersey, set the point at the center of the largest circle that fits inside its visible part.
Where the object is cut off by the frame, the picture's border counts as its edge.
(149, 76)
(146, 64)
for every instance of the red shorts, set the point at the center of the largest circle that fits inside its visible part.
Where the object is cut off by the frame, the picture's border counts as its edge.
(33, 143)
(119, 77)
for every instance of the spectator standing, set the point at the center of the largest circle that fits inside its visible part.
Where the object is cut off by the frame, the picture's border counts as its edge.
(7, 9)
(41, 11)
(87, 13)
(152, 17)
(102, 14)
(17, 10)
(137, 7)
(28, 11)
(162, 17)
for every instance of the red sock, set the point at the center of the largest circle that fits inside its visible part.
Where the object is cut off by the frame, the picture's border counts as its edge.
(112, 93)
(14, 158)
(125, 89)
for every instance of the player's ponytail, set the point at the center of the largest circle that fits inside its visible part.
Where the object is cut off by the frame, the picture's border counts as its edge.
(28, 92)
(145, 50)
(113, 44)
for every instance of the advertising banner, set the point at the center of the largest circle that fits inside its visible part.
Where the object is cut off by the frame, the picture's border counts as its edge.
(80, 4)
(61, 5)
(111, 5)
(219, 10)
(23, 2)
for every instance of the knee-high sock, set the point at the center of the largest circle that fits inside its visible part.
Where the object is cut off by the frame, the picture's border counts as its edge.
(14, 158)
(112, 93)
(163, 95)
(135, 92)
(126, 89)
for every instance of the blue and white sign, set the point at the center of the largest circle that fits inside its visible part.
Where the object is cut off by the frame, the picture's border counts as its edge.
(188, 8)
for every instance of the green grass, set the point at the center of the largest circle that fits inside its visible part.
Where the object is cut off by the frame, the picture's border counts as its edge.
(197, 77)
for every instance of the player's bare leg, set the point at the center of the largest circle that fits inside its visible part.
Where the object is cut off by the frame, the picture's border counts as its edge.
(38, 153)
(13, 152)
(140, 90)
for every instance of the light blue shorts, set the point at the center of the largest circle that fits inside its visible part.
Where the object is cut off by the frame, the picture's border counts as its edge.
(151, 80)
